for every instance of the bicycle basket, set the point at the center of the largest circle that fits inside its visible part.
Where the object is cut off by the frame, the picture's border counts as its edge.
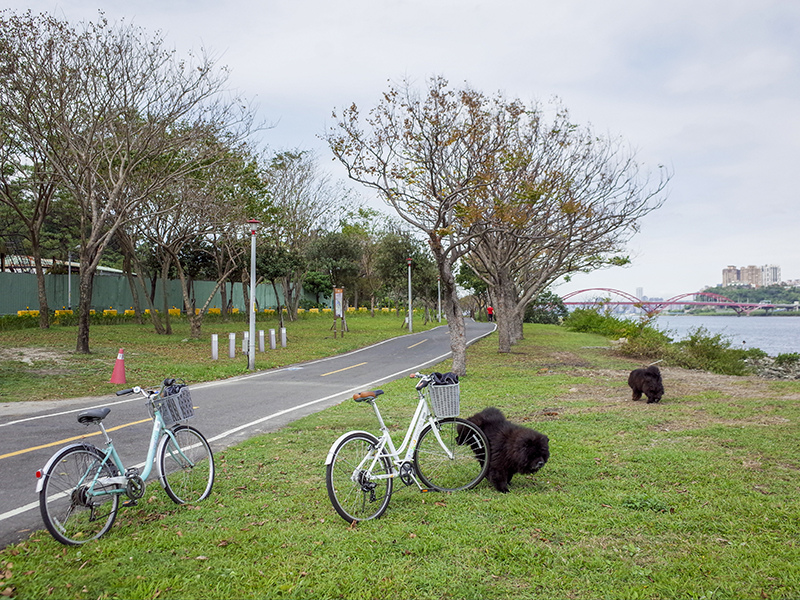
(445, 400)
(175, 407)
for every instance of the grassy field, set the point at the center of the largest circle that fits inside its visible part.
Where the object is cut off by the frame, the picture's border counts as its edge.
(40, 364)
(695, 497)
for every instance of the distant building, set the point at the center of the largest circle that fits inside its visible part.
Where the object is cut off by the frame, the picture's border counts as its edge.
(771, 274)
(730, 276)
(751, 275)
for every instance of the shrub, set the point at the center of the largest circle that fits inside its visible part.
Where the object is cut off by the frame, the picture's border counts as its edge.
(787, 360)
(709, 352)
(700, 350)
(547, 308)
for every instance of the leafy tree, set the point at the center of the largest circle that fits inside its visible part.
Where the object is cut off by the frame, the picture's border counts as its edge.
(338, 256)
(318, 284)
(547, 308)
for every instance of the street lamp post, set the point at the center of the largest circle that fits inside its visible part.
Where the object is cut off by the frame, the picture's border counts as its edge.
(251, 349)
(410, 326)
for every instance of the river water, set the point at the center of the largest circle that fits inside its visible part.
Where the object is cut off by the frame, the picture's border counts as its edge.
(773, 335)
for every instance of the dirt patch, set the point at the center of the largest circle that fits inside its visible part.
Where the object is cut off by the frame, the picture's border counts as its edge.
(609, 392)
(29, 356)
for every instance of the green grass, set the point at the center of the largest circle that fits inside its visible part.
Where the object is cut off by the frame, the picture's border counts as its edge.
(53, 369)
(695, 497)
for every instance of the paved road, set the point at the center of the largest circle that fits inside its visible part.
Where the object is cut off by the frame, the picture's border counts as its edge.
(228, 412)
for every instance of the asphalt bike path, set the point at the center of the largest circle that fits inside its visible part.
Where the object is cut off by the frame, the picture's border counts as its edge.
(227, 412)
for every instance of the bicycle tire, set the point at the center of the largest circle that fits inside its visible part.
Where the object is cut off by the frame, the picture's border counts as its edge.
(72, 517)
(354, 495)
(186, 465)
(470, 455)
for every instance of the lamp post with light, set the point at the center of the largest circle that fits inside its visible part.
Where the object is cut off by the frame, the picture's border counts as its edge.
(410, 326)
(252, 225)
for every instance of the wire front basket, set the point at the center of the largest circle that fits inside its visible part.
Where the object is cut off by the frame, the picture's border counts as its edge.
(175, 407)
(445, 400)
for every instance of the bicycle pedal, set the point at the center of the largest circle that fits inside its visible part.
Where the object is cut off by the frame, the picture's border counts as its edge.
(128, 503)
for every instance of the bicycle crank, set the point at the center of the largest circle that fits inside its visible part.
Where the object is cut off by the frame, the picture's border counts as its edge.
(407, 473)
(134, 488)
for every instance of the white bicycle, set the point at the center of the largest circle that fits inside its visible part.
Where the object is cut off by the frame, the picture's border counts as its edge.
(439, 452)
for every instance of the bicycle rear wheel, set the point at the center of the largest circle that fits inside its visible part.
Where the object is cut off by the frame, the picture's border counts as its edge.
(354, 492)
(459, 462)
(76, 507)
(186, 465)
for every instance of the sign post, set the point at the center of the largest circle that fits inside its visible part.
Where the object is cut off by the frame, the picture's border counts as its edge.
(338, 309)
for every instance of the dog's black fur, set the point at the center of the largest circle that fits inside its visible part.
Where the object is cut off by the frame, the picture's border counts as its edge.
(512, 448)
(648, 382)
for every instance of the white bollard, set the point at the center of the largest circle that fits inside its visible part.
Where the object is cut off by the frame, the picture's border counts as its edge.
(245, 342)
(260, 340)
(214, 346)
(232, 345)
(272, 339)
(283, 337)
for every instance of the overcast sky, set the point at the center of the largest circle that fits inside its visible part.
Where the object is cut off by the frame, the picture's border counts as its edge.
(709, 88)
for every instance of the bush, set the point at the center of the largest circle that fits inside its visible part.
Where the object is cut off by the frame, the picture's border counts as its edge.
(547, 308)
(787, 360)
(700, 350)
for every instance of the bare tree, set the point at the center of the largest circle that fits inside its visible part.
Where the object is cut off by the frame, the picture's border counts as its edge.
(122, 104)
(429, 158)
(304, 203)
(28, 181)
(564, 200)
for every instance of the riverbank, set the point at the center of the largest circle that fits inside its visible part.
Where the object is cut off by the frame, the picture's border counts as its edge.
(774, 336)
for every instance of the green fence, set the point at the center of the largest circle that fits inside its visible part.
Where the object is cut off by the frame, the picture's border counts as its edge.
(113, 291)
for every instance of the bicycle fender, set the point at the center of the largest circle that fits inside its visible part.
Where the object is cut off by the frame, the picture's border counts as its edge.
(46, 468)
(329, 458)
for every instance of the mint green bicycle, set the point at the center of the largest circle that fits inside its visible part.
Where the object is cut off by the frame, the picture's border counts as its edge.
(81, 485)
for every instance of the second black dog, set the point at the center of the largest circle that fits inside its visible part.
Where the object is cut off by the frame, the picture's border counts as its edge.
(512, 448)
(646, 381)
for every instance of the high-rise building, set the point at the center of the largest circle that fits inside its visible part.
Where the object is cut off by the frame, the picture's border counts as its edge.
(751, 275)
(771, 274)
(730, 276)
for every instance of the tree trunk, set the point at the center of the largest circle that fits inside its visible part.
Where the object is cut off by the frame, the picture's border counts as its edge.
(223, 298)
(85, 286)
(44, 309)
(165, 294)
(455, 320)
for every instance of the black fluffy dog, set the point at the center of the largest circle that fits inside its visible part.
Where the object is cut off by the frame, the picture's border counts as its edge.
(512, 448)
(648, 382)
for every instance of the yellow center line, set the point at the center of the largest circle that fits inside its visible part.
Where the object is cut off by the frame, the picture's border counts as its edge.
(418, 343)
(345, 369)
(72, 439)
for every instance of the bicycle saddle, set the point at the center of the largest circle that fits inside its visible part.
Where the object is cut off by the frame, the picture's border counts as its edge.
(94, 415)
(367, 395)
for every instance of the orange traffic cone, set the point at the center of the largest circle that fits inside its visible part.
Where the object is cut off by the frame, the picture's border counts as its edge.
(118, 376)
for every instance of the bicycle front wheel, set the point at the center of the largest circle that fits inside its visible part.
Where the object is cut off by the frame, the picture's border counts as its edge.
(76, 505)
(354, 491)
(185, 465)
(452, 455)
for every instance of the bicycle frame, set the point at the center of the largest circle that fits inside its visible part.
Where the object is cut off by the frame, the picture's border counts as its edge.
(110, 454)
(422, 417)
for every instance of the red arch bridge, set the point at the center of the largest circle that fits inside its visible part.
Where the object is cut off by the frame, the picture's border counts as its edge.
(617, 298)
